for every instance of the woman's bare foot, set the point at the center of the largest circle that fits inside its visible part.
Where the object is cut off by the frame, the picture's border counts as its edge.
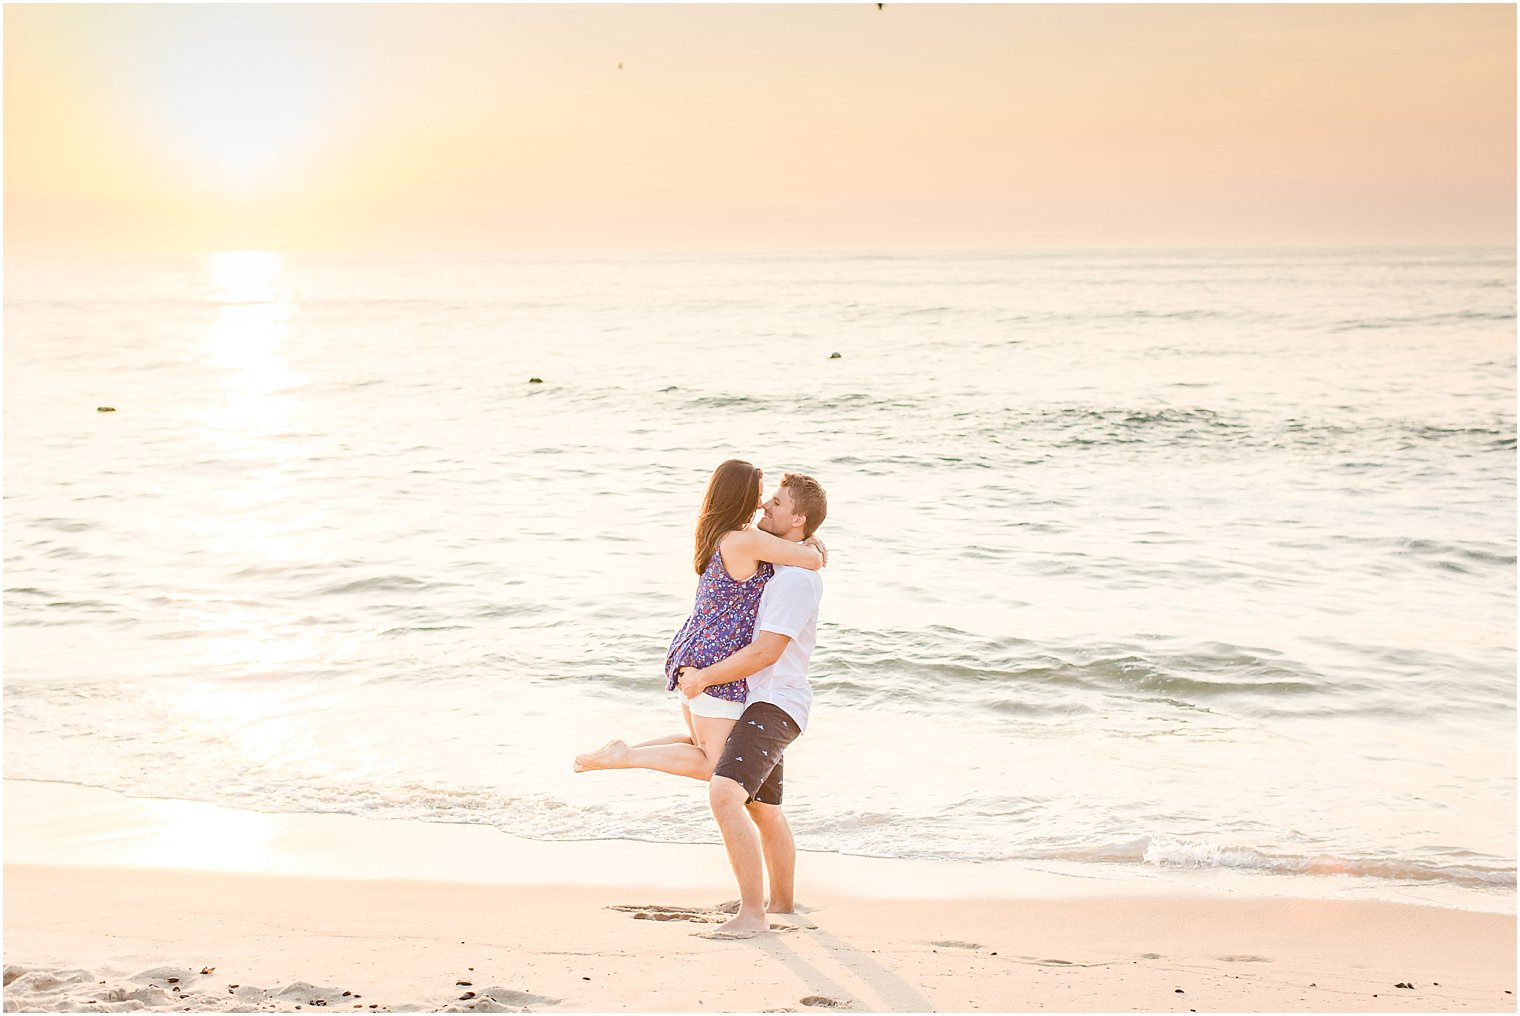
(606, 757)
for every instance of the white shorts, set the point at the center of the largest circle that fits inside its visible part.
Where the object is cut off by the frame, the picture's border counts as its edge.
(714, 708)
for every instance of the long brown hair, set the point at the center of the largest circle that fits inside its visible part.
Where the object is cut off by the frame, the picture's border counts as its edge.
(729, 504)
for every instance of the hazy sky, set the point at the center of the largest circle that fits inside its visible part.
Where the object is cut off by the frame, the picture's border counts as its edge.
(437, 128)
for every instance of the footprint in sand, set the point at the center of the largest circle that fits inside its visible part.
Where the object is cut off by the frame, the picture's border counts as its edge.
(739, 936)
(657, 912)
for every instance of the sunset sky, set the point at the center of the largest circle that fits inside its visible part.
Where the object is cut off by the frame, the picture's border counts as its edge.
(436, 129)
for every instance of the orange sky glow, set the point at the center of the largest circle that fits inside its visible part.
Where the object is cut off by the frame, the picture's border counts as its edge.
(430, 128)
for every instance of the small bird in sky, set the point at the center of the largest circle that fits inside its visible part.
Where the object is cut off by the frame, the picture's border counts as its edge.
(620, 66)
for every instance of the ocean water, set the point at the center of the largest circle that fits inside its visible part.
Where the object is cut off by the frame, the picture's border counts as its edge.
(1147, 559)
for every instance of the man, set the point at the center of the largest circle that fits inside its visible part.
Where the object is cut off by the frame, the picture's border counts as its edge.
(745, 789)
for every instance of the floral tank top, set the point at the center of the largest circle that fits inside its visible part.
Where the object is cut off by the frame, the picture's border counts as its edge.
(721, 623)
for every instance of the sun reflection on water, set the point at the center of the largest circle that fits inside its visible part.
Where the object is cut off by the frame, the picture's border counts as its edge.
(253, 426)
(246, 340)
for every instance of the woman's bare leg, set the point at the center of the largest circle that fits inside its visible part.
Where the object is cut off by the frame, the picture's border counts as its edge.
(690, 737)
(669, 739)
(667, 755)
(612, 749)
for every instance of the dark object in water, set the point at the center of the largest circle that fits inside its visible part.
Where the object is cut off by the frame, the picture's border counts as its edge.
(535, 380)
(105, 409)
(834, 356)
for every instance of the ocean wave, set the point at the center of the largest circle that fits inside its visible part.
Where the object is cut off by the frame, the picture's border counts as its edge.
(64, 525)
(1086, 426)
(1500, 435)
(1170, 852)
(381, 584)
(1445, 318)
(1448, 552)
(728, 402)
(1454, 555)
(408, 630)
(1098, 425)
(953, 669)
(1134, 314)
(1164, 851)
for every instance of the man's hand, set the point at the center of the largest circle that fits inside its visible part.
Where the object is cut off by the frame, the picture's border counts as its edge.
(817, 544)
(753, 658)
(689, 680)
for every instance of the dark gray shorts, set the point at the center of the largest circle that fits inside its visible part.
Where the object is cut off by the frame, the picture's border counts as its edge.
(752, 755)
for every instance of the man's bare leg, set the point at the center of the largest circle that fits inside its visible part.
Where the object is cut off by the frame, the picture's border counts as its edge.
(780, 852)
(742, 841)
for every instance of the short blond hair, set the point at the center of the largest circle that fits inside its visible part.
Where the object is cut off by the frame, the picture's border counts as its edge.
(808, 500)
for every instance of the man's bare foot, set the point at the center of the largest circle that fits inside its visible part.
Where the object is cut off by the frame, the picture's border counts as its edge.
(732, 907)
(606, 757)
(745, 924)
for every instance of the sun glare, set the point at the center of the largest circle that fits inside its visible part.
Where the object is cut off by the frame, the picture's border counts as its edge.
(240, 99)
(197, 837)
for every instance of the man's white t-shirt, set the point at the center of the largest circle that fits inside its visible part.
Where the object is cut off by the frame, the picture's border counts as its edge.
(789, 606)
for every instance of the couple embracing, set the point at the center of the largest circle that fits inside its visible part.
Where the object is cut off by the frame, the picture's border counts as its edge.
(739, 667)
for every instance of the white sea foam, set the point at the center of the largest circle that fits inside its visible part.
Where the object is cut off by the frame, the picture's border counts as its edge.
(1195, 854)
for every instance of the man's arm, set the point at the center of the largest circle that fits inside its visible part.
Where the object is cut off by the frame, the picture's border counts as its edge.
(753, 658)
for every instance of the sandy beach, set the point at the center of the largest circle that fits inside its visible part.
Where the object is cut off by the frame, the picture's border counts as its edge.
(206, 908)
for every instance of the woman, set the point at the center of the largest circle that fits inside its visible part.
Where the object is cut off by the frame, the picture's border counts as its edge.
(734, 561)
